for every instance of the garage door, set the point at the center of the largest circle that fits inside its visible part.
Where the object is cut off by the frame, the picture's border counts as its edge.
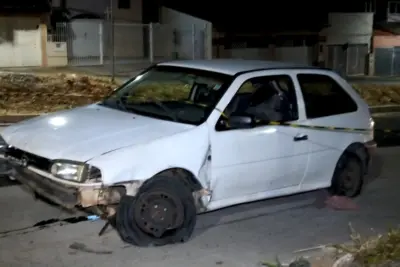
(27, 48)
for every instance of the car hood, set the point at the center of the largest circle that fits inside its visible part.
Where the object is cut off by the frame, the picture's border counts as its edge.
(83, 133)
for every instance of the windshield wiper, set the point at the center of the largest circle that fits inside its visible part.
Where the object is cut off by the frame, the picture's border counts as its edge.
(168, 111)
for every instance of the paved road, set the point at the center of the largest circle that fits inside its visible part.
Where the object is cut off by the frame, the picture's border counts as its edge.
(237, 236)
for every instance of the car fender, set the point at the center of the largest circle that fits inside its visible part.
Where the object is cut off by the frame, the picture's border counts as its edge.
(184, 150)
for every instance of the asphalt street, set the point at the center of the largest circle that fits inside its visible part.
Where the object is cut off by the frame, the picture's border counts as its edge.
(243, 235)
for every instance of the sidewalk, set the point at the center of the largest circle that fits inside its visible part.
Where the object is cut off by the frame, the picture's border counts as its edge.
(124, 71)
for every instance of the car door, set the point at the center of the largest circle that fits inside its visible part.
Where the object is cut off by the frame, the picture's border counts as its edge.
(326, 104)
(247, 164)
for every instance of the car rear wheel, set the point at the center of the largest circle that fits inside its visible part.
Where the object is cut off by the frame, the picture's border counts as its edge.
(163, 212)
(348, 177)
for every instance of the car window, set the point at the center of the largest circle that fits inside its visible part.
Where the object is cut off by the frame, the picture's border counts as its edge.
(266, 98)
(323, 96)
(172, 93)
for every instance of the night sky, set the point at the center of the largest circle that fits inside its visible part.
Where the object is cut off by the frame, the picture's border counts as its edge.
(262, 15)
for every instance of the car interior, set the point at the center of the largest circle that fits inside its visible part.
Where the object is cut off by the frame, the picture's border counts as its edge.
(272, 95)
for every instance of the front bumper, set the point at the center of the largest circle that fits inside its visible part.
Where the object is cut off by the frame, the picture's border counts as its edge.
(60, 194)
(67, 194)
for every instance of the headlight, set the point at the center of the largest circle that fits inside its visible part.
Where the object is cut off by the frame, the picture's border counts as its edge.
(72, 171)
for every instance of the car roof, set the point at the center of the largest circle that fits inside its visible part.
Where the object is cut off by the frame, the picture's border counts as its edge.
(234, 66)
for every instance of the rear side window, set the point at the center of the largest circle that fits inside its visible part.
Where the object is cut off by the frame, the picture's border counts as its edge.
(323, 96)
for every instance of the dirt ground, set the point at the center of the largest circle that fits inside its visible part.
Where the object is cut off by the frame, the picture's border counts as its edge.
(28, 94)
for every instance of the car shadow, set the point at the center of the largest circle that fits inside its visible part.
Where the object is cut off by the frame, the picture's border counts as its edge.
(257, 209)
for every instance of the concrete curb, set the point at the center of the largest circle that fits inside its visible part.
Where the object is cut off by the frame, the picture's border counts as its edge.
(385, 109)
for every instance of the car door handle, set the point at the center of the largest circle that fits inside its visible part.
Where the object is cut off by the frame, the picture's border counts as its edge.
(300, 138)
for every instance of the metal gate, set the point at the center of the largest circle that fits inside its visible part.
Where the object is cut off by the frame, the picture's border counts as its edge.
(387, 61)
(348, 59)
(337, 59)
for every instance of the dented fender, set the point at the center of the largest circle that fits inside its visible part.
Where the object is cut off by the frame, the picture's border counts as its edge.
(186, 150)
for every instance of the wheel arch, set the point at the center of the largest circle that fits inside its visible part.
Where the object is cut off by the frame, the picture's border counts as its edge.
(187, 177)
(358, 150)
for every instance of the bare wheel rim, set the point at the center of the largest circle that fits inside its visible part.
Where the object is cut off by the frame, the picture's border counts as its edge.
(158, 212)
(350, 179)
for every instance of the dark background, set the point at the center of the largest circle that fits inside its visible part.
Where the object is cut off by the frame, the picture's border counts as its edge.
(243, 16)
(256, 16)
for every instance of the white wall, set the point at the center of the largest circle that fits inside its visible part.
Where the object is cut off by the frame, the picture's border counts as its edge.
(353, 28)
(20, 42)
(250, 53)
(299, 54)
(186, 25)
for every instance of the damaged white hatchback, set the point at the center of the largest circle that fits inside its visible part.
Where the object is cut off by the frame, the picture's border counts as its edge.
(185, 137)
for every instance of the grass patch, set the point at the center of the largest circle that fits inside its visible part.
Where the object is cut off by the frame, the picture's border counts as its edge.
(35, 94)
(381, 250)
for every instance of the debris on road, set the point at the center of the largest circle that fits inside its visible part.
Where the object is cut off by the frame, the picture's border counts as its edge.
(70, 220)
(326, 200)
(83, 248)
(340, 203)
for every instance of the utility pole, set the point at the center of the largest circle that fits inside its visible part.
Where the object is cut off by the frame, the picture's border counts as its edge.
(112, 42)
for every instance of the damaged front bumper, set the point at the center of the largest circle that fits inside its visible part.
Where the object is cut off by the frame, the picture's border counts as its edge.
(67, 194)
(60, 194)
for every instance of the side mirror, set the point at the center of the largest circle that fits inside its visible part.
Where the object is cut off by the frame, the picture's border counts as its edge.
(241, 122)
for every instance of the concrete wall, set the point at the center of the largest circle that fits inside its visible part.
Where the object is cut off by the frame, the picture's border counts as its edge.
(56, 54)
(353, 28)
(250, 53)
(386, 41)
(128, 41)
(297, 54)
(194, 35)
(20, 41)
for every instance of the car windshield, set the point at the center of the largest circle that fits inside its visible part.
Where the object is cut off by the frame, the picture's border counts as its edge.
(171, 93)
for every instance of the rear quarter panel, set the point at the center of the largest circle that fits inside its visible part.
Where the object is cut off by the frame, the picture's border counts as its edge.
(326, 146)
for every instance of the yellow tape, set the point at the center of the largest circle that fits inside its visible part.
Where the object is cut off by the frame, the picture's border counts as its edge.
(331, 128)
(317, 127)
(327, 128)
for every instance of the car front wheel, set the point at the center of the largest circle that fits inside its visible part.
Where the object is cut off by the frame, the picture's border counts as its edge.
(163, 212)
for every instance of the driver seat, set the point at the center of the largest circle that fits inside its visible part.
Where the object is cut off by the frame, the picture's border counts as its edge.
(265, 103)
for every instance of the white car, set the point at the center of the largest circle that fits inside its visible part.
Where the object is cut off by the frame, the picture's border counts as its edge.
(186, 137)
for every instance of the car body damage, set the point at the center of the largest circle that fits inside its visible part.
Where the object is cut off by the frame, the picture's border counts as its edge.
(142, 162)
(194, 136)
(139, 159)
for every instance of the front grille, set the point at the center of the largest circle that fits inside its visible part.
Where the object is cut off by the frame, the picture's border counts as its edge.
(45, 164)
(33, 160)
